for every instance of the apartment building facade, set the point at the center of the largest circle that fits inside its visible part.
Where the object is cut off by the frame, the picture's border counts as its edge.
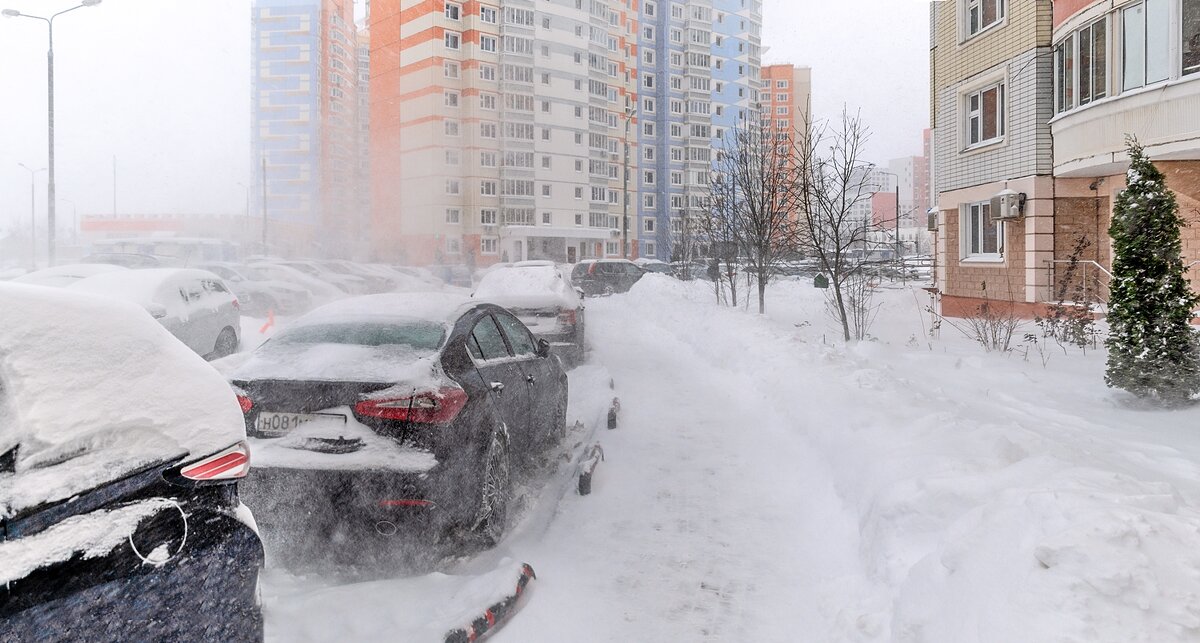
(1102, 70)
(304, 144)
(992, 80)
(499, 131)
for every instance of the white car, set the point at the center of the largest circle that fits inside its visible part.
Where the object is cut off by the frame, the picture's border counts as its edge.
(322, 292)
(194, 305)
(63, 276)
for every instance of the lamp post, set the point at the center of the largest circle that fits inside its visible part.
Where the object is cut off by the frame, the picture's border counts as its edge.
(13, 13)
(32, 215)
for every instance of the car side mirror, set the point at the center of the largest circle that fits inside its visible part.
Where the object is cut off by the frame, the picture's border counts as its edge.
(543, 348)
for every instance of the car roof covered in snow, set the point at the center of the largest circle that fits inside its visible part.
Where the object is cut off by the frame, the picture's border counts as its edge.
(68, 274)
(138, 286)
(92, 390)
(527, 285)
(431, 306)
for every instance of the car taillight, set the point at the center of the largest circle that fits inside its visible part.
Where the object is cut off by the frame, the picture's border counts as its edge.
(591, 269)
(246, 403)
(236, 305)
(229, 464)
(566, 317)
(426, 407)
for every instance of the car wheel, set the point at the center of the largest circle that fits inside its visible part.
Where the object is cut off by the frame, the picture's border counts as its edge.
(492, 514)
(226, 343)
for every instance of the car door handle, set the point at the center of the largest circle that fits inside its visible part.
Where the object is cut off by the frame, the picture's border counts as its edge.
(498, 386)
(530, 379)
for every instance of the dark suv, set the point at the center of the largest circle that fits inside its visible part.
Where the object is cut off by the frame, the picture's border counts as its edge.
(606, 276)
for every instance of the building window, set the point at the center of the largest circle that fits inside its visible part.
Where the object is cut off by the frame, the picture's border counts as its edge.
(487, 188)
(650, 249)
(578, 193)
(453, 246)
(648, 201)
(450, 127)
(450, 69)
(1081, 67)
(453, 215)
(452, 39)
(648, 177)
(487, 101)
(453, 187)
(981, 14)
(451, 99)
(487, 216)
(487, 130)
(487, 159)
(489, 245)
(612, 248)
(1191, 36)
(546, 162)
(487, 72)
(453, 157)
(547, 218)
(648, 225)
(453, 10)
(488, 15)
(981, 237)
(985, 115)
(487, 43)
(1146, 47)
(546, 190)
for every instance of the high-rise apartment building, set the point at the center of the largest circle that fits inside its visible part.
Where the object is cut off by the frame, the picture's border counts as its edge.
(516, 129)
(499, 129)
(304, 117)
(700, 64)
(786, 94)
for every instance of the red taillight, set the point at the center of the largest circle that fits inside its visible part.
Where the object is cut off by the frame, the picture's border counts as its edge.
(229, 464)
(246, 403)
(591, 269)
(427, 407)
(566, 317)
(236, 305)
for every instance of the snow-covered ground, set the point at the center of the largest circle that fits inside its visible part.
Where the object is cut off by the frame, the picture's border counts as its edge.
(769, 483)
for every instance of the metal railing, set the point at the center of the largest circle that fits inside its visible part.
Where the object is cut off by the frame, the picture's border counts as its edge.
(1079, 282)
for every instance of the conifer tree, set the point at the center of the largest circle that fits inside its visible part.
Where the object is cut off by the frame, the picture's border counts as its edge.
(1153, 351)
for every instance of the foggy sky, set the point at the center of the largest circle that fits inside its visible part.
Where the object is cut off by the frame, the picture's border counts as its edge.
(164, 85)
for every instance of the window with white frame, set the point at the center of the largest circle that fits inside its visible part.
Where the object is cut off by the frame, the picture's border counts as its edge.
(450, 69)
(487, 216)
(487, 72)
(650, 249)
(547, 218)
(450, 127)
(1081, 67)
(981, 14)
(488, 15)
(453, 215)
(1190, 42)
(1146, 43)
(487, 159)
(453, 246)
(452, 39)
(648, 224)
(487, 43)
(487, 188)
(985, 115)
(487, 101)
(453, 187)
(489, 245)
(981, 237)
(453, 10)
(453, 157)
(648, 201)
(612, 248)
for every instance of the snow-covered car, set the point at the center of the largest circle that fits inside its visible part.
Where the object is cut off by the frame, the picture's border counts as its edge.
(367, 410)
(654, 265)
(606, 276)
(261, 296)
(322, 292)
(542, 296)
(128, 260)
(119, 512)
(194, 305)
(424, 274)
(349, 284)
(63, 276)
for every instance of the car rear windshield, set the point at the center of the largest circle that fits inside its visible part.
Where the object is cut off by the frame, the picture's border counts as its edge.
(424, 336)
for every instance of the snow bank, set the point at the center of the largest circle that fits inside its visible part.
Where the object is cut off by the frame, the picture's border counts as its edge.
(61, 276)
(96, 389)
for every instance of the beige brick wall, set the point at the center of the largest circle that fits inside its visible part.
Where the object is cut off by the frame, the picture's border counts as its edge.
(1028, 25)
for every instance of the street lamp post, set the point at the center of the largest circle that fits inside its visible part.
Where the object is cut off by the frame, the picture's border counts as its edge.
(13, 13)
(32, 215)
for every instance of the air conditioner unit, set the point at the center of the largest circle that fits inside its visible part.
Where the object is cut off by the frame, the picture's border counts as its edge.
(1008, 205)
(932, 225)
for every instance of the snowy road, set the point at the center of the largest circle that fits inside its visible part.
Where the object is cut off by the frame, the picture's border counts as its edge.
(766, 484)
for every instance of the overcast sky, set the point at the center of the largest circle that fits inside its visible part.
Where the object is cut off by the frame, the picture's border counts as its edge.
(163, 85)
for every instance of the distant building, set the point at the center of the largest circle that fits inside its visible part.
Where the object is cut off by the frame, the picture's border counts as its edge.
(304, 96)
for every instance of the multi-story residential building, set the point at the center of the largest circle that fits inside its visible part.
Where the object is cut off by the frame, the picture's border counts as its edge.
(992, 80)
(362, 178)
(922, 183)
(499, 129)
(303, 137)
(700, 64)
(1123, 68)
(1007, 76)
(786, 94)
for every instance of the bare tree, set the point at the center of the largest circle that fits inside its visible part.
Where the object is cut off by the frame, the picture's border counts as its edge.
(754, 197)
(833, 178)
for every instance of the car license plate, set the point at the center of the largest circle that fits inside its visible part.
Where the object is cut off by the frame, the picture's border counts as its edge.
(276, 424)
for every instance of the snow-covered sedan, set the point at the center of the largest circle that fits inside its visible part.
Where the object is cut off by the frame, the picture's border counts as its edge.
(63, 276)
(261, 296)
(120, 454)
(195, 305)
(541, 295)
(369, 409)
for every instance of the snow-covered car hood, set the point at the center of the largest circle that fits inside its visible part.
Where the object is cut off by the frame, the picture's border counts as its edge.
(527, 287)
(92, 390)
